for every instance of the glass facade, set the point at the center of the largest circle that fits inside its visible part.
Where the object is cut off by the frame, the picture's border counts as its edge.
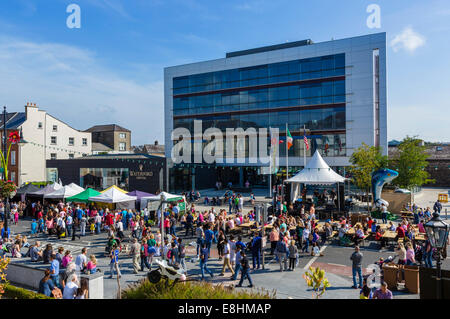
(305, 69)
(302, 93)
(102, 178)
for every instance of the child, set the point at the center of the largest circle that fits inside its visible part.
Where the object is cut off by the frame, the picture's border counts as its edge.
(92, 265)
(41, 225)
(34, 227)
(16, 217)
(92, 228)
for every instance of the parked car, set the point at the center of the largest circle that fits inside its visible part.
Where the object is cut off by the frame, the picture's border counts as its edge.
(402, 190)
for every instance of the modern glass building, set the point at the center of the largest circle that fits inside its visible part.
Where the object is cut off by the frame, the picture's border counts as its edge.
(335, 89)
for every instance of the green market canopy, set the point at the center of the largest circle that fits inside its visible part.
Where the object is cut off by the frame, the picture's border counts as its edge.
(83, 197)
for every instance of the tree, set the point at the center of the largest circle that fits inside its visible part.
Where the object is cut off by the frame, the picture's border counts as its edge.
(365, 160)
(410, 162)
(315, 278)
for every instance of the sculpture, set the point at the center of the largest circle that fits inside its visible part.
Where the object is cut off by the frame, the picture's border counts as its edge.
(379, 178)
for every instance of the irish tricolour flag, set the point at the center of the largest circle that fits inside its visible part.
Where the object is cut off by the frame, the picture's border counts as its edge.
(289, 139)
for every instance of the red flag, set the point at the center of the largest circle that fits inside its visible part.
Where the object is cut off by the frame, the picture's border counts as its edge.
(305, 140)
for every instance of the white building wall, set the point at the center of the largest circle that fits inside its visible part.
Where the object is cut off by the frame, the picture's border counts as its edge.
(359, 87)
(62, 149)
(33, 155)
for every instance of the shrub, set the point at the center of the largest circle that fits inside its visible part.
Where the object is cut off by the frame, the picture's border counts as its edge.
(190, 290)
(12, 292)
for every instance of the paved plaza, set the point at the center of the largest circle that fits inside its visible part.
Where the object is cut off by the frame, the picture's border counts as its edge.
(288, 284)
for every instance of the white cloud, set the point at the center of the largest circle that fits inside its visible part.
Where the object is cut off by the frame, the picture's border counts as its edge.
(408, 40)
(71, 84)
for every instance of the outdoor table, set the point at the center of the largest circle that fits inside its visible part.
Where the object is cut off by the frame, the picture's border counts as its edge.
(246, 226)
(389, 235)
(419, 237)
(350, 232)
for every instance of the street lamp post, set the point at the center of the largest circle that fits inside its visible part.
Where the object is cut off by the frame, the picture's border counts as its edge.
(15, 137)
(437, 232)
(5, 199)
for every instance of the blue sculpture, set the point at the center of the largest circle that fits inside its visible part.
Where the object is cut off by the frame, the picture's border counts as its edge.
(379, 178)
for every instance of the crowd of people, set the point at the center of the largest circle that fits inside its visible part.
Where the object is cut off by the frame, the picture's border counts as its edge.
(291, 231)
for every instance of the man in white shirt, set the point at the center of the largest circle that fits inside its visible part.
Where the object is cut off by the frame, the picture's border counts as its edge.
(81, 260)
(211, 217)
(120, 229)
(69, 223)
(146, 215)
(70, 290)
(241, 202)
(98, 223)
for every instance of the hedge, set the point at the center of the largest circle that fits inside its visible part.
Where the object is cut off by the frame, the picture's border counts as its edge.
(190, 290)
(12, 292)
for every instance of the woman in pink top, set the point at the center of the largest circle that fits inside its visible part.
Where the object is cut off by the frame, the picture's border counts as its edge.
(273, 237)
(421, 228)
(200, 217)
(410, 255)
(66, 259)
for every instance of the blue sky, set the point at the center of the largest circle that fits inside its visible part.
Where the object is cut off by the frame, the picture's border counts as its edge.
(111, 69)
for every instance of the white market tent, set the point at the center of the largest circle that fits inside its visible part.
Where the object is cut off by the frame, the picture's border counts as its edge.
(112, 195)
(163, 196)
(47, 189)
(76, 187)
(316, 172)
(63, 192)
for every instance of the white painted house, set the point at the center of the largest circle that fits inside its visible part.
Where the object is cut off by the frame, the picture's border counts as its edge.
(47, 138)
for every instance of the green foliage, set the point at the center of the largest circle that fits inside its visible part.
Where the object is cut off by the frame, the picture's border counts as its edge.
(315, 278)
(410, 162)
(189, 290)
(12, 292)
(4, 261)
(365, 160)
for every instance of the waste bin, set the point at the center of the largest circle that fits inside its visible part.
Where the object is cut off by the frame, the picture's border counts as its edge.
(390, 275)
(412, 279)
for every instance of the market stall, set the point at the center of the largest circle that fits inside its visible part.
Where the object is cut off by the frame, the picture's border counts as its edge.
(117, 196)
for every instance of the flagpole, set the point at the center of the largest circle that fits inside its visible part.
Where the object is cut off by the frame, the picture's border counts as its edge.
(287, 154)
(304, 153)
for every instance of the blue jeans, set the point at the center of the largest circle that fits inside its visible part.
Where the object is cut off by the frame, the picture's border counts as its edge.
(199, 245)
(237, 267)
(55, 279)
(384, 218)
(256, 256)
(306, 245)
(203, 268)
(244, 274)
(98, 228)
(69, 230)
(208, 245)
(144, 262)
(429, 260)
(354, 272)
